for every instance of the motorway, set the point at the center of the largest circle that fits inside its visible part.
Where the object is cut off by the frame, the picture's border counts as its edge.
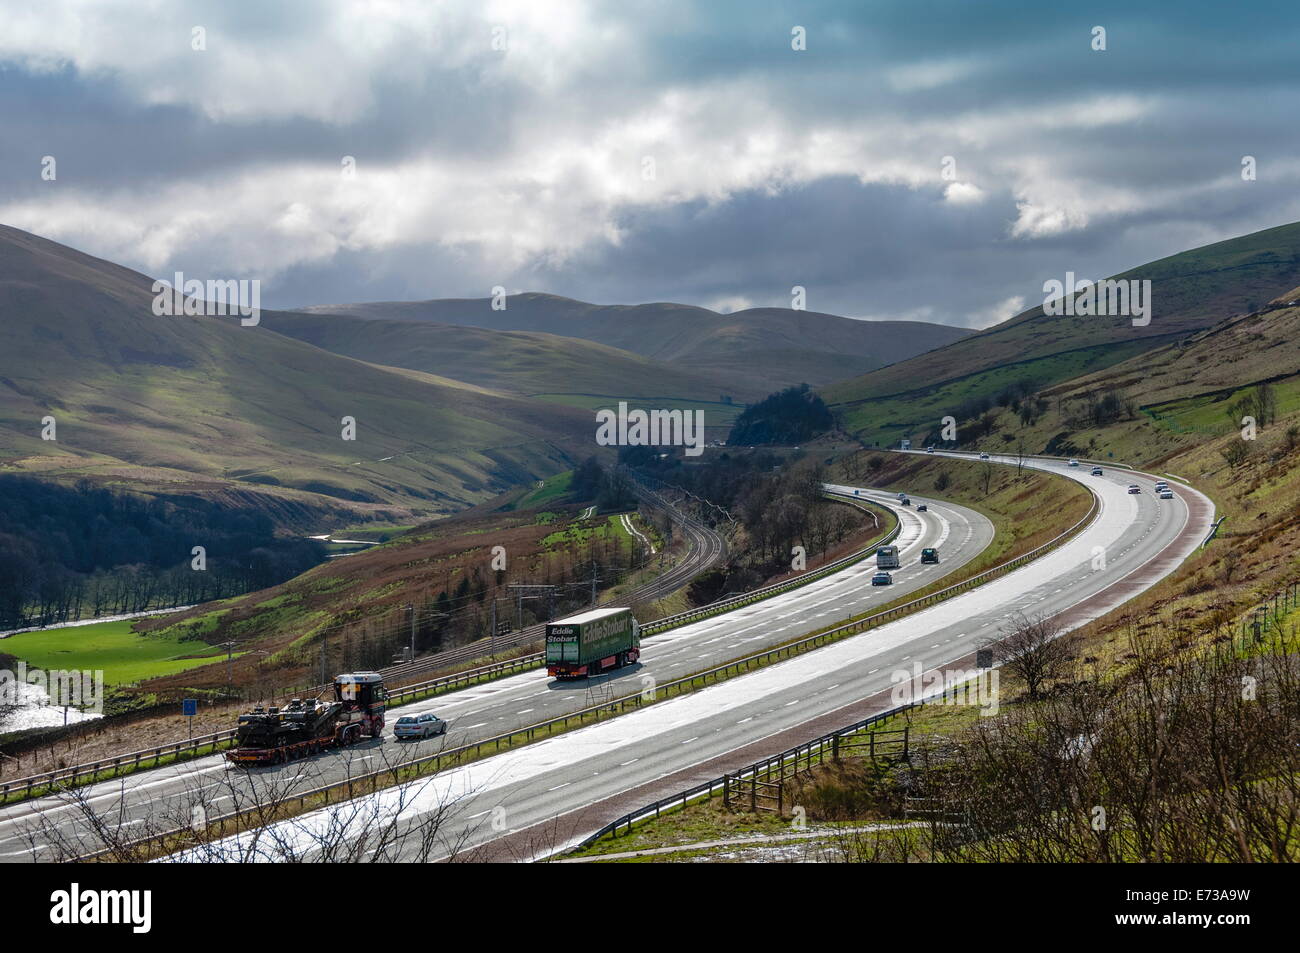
(497, 707)
(705, 547)
(537, 799)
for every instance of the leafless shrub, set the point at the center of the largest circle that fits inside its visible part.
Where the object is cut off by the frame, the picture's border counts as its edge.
(1194, 758)
(1034, 650)
(406, 822)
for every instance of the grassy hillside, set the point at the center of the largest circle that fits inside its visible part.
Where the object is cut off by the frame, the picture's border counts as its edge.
(1190, 291)
(523, 363)
(766, 348)
(195, 399)
(355, 607)
(1220, 786)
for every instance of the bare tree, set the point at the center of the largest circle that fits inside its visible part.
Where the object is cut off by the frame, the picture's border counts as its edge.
(259, 815)
(1033, 649)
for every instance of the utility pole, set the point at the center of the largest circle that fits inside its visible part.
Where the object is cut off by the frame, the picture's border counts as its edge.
(411, 609)
(494, 626)
(230, 683)
(534, 592)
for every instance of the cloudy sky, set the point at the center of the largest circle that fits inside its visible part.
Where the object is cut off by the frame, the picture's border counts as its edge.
(926, 160)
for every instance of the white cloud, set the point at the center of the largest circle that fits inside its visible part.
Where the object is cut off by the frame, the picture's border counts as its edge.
(996, 314)
(730, 304)
(964, 193)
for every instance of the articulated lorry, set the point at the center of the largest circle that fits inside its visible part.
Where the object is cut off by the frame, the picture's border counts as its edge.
(304, 727)
(589, 643)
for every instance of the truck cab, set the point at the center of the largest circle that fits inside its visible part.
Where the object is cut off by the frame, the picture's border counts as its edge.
(364, 700)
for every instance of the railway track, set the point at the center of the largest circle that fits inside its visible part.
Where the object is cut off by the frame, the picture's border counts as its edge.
(705, 548)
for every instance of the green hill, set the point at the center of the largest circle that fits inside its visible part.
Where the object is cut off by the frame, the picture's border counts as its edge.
(205, 404)
(760, 350)
(525, 363)
(1033, 351)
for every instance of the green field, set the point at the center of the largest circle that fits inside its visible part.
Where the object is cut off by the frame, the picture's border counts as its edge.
(552, 489)
(124, 655)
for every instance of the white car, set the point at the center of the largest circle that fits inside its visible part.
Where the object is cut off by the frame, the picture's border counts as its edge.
(426, 725)
(1134, 488)
(1096, 471)
(1073, 462)
(1166, 494)
(902, 497)
(929, 449)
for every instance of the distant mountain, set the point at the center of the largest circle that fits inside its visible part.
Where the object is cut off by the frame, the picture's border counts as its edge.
(201, 404)
(524, 363)
(764, 348)
(1032, 352)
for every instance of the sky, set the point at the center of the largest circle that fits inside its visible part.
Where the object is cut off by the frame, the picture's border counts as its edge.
(932, 161)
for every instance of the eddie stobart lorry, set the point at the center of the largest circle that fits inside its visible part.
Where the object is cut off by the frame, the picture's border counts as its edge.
(303, 727)
(589, 643)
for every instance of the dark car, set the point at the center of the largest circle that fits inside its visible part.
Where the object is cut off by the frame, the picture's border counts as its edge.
(882, 579)
(929, 555)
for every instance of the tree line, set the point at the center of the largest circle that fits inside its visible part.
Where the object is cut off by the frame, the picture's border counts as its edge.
(70, 552)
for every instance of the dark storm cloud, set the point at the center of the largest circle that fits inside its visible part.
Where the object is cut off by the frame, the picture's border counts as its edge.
(776, 168)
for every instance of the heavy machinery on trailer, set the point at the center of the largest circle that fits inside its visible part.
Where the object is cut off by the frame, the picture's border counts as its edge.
(306, 726)
(589, 643)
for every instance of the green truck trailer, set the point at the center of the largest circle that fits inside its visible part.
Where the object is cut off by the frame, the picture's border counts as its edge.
(592, 642)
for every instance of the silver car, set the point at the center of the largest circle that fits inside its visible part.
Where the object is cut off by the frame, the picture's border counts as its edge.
(1166, 494)
(426, 725)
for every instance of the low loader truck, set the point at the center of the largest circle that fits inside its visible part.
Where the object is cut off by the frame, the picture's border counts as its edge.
(592, 642)
(304, 727)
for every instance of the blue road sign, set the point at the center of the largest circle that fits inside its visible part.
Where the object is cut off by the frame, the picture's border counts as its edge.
(190, 707)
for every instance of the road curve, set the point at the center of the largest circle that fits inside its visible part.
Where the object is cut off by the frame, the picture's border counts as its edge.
(493, 708)
(554, 792)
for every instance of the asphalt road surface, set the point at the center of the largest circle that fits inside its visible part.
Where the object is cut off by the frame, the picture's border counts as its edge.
(539, 798)
(33, 829)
